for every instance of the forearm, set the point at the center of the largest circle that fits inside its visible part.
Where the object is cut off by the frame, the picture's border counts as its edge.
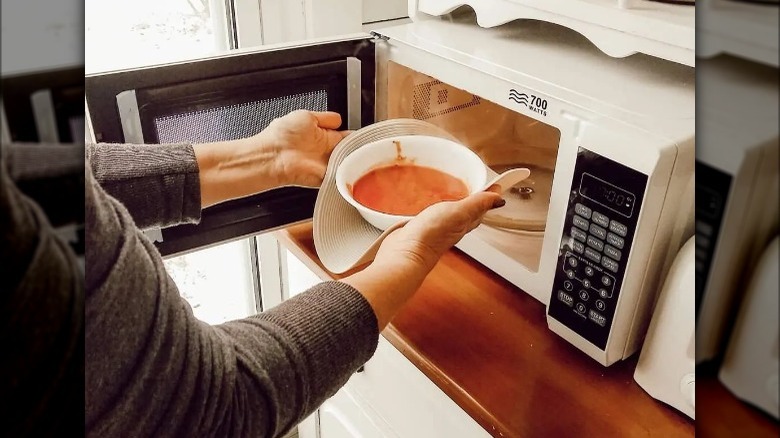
(235, 169)
(388, 285)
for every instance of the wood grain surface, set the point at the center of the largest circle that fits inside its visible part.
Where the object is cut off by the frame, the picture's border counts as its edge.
(486, 344)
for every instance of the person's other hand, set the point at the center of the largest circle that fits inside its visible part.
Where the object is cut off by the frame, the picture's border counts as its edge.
(408, 254)
(422, 241)
(301, 143)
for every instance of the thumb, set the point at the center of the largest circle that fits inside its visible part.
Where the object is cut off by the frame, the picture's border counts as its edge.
(327, 119)
(477, 204)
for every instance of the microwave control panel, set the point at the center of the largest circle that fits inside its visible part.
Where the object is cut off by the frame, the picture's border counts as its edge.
(601, 218)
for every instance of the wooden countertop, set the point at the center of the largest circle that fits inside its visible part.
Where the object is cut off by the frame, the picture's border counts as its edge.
(486, 344)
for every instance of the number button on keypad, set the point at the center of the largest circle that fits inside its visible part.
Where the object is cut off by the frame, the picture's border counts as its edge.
(601, 305)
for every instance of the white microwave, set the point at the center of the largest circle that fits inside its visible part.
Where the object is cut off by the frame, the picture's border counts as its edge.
(610, 144)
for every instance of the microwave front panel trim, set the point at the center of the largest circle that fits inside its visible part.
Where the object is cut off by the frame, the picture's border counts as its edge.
(655, 159)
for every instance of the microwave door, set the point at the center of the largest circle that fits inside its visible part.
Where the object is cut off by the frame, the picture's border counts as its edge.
(232, 96)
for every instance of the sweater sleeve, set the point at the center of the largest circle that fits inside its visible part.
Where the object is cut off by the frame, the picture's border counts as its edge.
(158, 184)
(153, 369)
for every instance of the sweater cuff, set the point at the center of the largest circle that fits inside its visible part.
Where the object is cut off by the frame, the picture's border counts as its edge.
(158, 184)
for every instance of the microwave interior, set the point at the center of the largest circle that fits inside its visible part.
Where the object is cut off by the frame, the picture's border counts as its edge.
(503, 138)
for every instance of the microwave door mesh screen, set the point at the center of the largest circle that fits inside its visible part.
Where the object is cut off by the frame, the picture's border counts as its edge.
(231, 122)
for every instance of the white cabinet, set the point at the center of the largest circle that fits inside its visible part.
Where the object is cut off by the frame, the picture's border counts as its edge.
(344, 416)
(389, 397)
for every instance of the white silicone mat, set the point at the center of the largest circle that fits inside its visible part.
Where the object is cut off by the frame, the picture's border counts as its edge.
(342, 238)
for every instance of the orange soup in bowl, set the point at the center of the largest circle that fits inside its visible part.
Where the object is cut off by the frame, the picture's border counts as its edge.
(406, 189)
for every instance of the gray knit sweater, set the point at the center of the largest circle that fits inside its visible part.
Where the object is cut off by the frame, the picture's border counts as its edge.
(152, 368)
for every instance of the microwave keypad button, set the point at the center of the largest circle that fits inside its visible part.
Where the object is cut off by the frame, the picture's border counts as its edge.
(600, 219)
(613, 252)
(573, 262)
(580, 223)
(582, 210)
(601, 305)
(592, 255)
(615, 240)
(604, 293)
(578, 234)
(596, 244)
(597, 318)
(606, 280)
(586, 283)
(589, 271)
(618, 228)
(598, 231)
(584, 296)
(607, 263)
(565, 298)
(581, 308)
(567, 285)
(570, 273)
(578, 247)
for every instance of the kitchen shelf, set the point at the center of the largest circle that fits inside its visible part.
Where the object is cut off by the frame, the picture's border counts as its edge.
(618, 27)
(486, 344)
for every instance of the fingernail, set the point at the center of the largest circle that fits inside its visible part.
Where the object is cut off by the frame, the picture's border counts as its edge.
(499, 203)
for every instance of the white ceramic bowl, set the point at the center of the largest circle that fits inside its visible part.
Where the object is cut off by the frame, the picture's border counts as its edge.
(435, 152)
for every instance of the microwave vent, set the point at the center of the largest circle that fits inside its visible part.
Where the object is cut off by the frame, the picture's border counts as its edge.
(435, 98)
(230, 122)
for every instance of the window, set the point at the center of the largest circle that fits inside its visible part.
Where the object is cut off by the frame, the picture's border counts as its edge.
(122, 34)
(218, 282)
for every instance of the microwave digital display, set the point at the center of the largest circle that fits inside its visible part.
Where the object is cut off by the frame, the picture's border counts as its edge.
(608, 195)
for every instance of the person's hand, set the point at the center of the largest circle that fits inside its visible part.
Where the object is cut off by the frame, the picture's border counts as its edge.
(292, 150)
(426, 237)
(302, 142)
(408, 254)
